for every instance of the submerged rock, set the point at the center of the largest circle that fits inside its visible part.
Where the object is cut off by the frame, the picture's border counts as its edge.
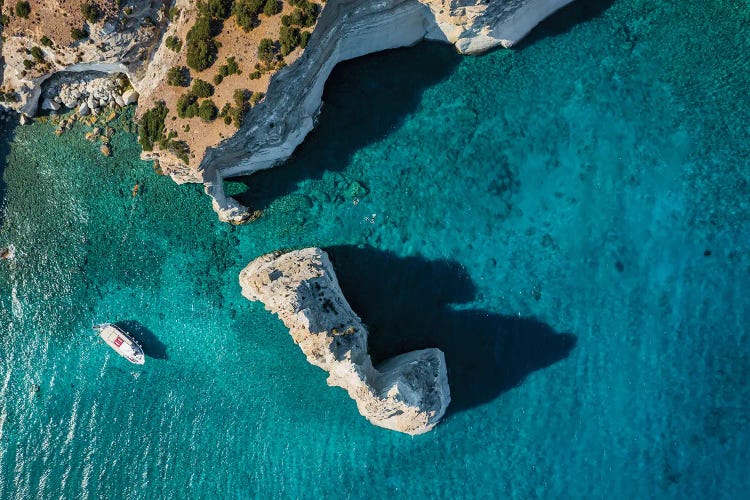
(8, 253)
(105, 150)
(408, 393)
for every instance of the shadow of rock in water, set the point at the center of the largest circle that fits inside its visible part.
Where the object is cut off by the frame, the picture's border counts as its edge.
(575, 13)
(364, 100)
(406, 303)
(152, 346)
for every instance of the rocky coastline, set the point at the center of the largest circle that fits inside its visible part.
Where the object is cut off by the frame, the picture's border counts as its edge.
(408, 393)
(273, 129)
(348, 29)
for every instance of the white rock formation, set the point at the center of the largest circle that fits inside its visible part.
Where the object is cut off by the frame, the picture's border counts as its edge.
(408, 393)
(130, 96)
(349, 29)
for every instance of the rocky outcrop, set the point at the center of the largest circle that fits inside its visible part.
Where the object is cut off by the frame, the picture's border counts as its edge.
(134, 45)
(122, 44)
(408, 393)
(349, 29)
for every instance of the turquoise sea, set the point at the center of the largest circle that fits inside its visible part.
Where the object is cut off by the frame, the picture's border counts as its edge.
(569, 221)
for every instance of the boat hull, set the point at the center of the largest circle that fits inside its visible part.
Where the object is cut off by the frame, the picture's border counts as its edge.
(122, 343)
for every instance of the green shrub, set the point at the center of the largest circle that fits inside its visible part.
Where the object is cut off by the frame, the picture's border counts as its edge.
(184, 104)
(37, 53)
(232, 66)
(91, 12)
(4, 19)
(23, 9)
(304, 39)
(178, 76)
(289, 38)
(216, 9)
(256, 97)
(180, 149)
(46, 41)
(272, 7)
(218, 79)
(151, 126)
(246, 13)
(202, 88)
(28, 63)
(255, 75)
(240, 97)
(208, 111)
(266, 50)
(78, 34)
(304, 15)
(173, 43)
(201, 47)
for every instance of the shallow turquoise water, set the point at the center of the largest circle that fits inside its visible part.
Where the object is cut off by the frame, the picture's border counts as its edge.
(569, 222)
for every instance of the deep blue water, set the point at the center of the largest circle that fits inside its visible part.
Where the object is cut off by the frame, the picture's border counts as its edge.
(568, 221)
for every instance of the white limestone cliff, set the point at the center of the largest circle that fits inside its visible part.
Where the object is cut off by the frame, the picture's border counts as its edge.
(408, 393)
(349, 29)
(273, 129)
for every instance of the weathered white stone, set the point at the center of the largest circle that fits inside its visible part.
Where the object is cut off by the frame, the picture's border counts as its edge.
(408, 393)
(84, 109)
(119, 101)
(130, 96)
(346, 29)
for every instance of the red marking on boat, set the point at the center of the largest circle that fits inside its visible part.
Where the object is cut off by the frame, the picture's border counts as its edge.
(118, 342)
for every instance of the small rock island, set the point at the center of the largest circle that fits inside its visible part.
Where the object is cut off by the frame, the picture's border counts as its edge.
(408, 393)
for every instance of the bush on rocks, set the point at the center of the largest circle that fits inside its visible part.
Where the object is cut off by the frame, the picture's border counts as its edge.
(178, 76)
(23, 9)
(91, 12)
(208, 111)
(202, 88)
(173, 43)
(246, 13)
(201, 47)
(266, 50)
(151, 126)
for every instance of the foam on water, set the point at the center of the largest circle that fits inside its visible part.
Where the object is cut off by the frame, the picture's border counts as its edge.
(567, 221)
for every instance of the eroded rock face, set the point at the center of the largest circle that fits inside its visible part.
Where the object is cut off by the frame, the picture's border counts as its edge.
(408, 393)
(352, 28)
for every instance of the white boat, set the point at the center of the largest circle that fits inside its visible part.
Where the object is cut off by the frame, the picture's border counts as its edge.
(119, 340)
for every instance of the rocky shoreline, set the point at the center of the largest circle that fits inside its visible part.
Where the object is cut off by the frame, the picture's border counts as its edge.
(272, 130)
(87, 93)
(408, 393)
(348, 29)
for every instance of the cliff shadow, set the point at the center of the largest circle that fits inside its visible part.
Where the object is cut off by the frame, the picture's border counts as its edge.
(152, 346)
(364, 99)
(406, 304)
(575, 13)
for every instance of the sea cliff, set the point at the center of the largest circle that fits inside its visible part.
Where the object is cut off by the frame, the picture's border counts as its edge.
(408, 393)
(135, 42)
(349, 29)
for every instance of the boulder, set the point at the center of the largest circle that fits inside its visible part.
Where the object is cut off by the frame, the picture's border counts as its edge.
(84, 109)
(130, 96)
